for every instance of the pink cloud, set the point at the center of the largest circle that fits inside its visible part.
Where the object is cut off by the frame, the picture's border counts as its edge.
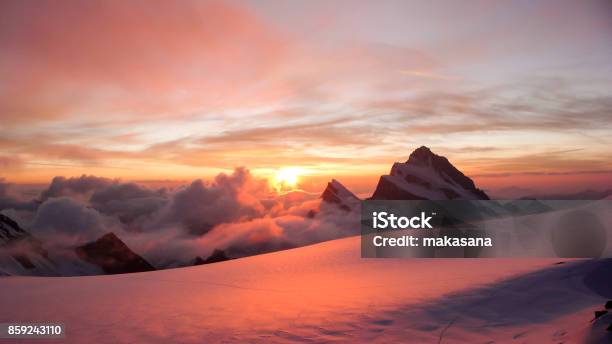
(103, 55)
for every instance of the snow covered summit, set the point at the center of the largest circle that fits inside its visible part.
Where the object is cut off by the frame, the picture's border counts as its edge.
(426, 176)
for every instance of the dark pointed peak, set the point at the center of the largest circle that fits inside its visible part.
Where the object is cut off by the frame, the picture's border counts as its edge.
(422, 154)
(442, 166)
(108, 241)
(112, 255)
(335, 192)
(335, 184)
(422, 150)
(110, 236)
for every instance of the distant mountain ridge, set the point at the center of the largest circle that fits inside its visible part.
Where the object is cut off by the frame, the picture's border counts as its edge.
(426, 176)
(23, 254)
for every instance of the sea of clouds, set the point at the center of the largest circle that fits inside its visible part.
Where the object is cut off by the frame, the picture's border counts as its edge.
(238, 213)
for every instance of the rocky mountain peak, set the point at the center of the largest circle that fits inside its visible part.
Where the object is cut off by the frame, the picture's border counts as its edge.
(426, 175)
(112, 255)
(338, 194)
(421, 155)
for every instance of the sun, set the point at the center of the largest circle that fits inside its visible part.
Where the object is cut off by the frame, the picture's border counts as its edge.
(286, 178)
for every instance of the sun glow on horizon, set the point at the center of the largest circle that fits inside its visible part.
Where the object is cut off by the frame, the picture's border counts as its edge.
(286, 178)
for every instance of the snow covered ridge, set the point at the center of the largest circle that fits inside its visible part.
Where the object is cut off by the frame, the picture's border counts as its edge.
(426, 175)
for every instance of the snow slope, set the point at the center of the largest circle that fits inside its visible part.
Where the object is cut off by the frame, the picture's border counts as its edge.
(320, 293)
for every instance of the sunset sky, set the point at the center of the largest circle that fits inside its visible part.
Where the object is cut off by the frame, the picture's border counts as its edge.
(514, 93)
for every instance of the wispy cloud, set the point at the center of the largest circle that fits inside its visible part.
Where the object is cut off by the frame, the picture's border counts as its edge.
(153, 89)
